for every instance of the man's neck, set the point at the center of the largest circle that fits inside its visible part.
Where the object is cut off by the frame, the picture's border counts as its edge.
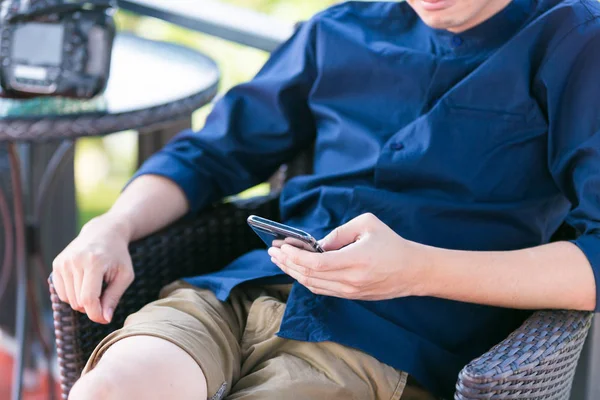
(492, 8)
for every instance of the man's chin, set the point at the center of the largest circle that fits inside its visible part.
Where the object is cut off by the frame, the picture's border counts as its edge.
(437, 22)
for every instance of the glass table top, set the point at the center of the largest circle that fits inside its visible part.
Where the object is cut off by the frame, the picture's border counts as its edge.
(144, 74)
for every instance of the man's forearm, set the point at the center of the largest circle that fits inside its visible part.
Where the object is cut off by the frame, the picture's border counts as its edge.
(148, 204)
(557, 276)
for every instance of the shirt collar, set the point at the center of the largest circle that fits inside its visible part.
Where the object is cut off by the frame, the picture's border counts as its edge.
(491, 33)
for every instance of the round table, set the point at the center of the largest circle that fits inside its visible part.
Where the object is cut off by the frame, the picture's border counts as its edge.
(153, 86)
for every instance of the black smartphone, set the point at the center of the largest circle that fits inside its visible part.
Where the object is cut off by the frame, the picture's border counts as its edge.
(275, 234)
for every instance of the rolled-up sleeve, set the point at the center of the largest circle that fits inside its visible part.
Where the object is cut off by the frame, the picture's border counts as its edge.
(574, 137)
(253, 128)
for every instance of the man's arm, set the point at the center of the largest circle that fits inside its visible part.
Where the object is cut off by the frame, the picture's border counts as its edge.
(366, 260)
(556, 275)
(252, 130)
(147, 204)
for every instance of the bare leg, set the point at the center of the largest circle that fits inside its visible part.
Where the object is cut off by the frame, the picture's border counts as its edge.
(142, 367)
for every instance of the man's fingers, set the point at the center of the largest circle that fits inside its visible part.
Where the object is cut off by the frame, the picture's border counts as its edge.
(315, 261)
(318, 285)
(77, 274)
(69, 288)
(114, 291)
(59, 286)
(277, 243)
(91, 289)
(337, 275)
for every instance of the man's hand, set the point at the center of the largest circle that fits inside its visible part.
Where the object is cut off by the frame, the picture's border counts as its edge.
(364, 260)
(99, 254)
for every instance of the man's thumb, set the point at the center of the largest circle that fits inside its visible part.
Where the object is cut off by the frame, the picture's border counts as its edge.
(341, 236)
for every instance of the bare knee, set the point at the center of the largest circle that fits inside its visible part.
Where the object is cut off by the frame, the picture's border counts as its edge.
(142, 367)
(93, 386)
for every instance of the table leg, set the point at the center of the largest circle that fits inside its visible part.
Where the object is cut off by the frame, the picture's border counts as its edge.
(21, 268)
(27, 216)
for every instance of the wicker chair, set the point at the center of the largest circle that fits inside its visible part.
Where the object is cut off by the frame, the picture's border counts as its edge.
(537, 361)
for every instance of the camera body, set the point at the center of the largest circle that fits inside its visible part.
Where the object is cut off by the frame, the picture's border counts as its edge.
(55, 47)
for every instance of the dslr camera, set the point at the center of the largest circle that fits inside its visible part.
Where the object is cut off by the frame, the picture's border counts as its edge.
(55, 47)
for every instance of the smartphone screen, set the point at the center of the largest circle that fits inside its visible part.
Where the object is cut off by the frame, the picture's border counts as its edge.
(275, 234)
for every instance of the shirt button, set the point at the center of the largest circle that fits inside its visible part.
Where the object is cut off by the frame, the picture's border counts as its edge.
(397, 146)
(457, 40)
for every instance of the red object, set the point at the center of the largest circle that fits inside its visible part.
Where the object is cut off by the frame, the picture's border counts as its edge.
(40, 392)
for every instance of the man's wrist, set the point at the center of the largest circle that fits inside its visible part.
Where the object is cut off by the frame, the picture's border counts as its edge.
(118, 224)
(425, 264)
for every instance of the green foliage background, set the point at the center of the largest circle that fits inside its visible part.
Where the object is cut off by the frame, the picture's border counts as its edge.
(103, 165)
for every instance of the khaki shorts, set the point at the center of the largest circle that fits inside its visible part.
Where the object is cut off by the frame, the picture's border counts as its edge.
(235, 344)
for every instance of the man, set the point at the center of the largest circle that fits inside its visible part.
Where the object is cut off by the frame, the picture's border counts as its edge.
(452, 138)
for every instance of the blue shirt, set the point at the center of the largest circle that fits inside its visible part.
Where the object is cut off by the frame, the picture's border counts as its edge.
(486, 140)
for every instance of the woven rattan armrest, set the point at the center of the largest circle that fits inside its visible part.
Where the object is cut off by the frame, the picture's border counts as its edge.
(537, 361)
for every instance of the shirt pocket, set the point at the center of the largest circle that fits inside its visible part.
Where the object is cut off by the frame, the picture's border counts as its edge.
(480, 152)
(490, 127)
(482, 113)
(497, 116)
